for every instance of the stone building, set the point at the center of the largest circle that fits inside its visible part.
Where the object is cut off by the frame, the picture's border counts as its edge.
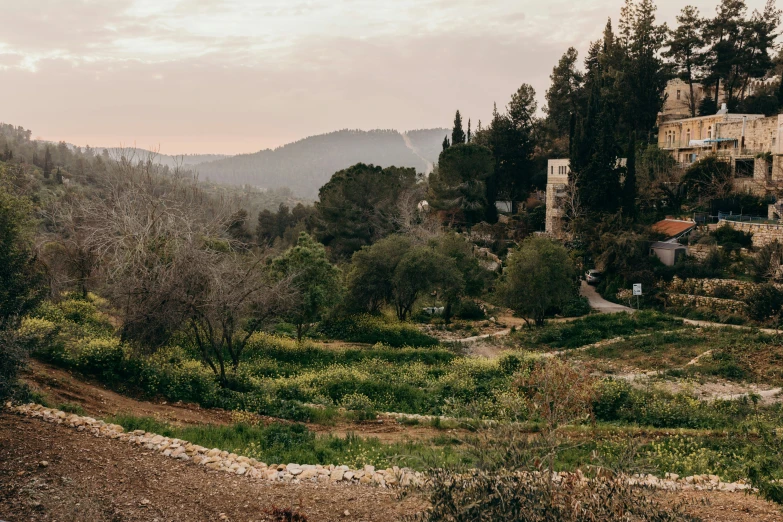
(749, 142)
(677, 96)
(556, 190)
(677, 100)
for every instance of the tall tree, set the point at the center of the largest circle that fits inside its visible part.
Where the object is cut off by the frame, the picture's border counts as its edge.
(468, 131)
(446, 143)
(593, 156)
(360, 205)
(47, 166)
(722, 34)
(563, 95)
(643, 72)
(629, 184)
(458, 184)
(457, 134)
(685, 50)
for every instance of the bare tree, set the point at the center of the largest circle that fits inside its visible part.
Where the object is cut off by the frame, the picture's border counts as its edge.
(226, 298)
(69, 254)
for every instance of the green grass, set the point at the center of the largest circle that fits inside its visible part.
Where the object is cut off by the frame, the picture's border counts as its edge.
(591, 329)
(71, 408)
(284, 443)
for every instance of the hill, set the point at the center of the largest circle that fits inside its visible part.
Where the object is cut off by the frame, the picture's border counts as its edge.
(305, 165)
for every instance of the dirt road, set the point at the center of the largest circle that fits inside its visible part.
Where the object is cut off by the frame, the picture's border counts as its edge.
(599, 303)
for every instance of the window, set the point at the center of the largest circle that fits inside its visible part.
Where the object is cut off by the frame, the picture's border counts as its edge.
(688, 136)
(678, 94)
(552, 169)
(709, 132)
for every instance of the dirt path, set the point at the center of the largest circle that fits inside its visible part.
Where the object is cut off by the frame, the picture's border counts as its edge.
(92, 479)
(599, 303)
(708, 324)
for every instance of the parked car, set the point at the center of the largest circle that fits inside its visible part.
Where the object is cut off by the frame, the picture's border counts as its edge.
(593, 277)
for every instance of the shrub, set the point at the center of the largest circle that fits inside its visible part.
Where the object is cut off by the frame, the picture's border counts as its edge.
(727, 235)
(765, 302)
(535, 497)
(470, 310)
(577, 307)
(374, 329)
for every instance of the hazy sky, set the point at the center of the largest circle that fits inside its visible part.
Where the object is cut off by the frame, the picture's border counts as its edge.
(230, 76)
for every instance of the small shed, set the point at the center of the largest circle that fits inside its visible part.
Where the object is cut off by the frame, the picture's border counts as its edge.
(504, 207)
(673, 228)
(668, 253)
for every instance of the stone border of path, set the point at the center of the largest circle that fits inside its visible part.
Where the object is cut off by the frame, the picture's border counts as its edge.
(219, 460)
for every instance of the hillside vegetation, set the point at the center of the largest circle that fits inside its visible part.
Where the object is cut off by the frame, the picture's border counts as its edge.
(307, 164)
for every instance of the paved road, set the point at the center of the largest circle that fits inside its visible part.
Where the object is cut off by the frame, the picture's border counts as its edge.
(599, 303)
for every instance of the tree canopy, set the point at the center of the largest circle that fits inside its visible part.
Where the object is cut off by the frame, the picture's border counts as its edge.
(360, 205)
(539, 278)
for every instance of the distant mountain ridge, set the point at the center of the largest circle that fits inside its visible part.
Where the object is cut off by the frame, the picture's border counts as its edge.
(305, 165)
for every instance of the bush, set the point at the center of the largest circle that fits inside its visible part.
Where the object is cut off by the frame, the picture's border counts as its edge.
(765, 303)
(594, 328)
(535, 497)
(469, 310)
(375, 329)
(727, 235)
(619, 401)
(577, 307)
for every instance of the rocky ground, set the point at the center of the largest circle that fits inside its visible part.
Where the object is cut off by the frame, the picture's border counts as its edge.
(52, 472)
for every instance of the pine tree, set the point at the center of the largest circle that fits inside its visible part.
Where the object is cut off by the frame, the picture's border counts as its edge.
(629, 185)
(685, 50)
(457, 135)
(563, 96)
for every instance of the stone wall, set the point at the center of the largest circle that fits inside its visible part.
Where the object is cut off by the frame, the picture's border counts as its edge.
(723, 288)
(763, 233)
(220, 460)
(331, 475)
(714, 304)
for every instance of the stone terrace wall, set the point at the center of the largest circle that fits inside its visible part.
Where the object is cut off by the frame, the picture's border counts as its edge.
(763, 234)
(730, 306)
(722, 288)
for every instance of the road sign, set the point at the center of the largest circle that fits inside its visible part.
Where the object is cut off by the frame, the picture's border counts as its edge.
(637, 289)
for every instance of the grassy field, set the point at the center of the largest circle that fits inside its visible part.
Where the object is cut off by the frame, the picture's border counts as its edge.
(628, 426)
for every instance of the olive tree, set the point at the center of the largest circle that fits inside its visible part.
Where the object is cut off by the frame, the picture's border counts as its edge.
(316, 282)
(539, 276)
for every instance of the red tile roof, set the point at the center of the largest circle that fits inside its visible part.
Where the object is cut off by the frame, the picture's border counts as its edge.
(673, 227)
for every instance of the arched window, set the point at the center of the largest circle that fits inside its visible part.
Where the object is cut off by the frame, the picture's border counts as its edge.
(709, 132)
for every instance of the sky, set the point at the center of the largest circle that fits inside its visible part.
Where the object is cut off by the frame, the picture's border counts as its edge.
(236, 76)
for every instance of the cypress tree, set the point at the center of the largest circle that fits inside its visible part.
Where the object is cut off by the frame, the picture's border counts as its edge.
(468, 130)
(445, 142)
(47, 166)
(457, 135)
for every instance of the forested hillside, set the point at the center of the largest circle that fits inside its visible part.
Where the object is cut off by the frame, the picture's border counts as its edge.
(304, 166)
